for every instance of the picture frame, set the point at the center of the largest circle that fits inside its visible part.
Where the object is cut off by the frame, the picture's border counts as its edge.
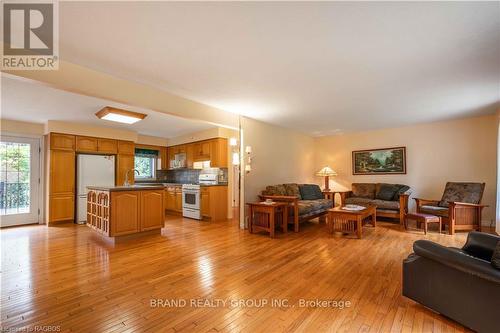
(380, 161)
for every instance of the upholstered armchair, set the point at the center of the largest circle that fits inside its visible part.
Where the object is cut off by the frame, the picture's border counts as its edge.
(460, 206)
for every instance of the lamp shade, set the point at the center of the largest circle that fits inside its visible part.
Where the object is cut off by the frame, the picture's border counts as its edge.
(326, 171)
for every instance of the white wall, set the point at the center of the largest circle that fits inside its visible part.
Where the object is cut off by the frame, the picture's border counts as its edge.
(457, 150)
(279, 156)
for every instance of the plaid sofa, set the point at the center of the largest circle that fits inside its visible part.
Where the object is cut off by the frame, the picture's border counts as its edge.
(391, 199)
(306, 201)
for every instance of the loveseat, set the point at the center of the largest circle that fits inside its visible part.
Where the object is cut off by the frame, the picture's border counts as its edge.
(391, 199)
(306, 201)
(462, 284)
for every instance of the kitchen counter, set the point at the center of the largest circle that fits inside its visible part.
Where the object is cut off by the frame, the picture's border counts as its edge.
(118, 212)
(175, 184)
(127, 188)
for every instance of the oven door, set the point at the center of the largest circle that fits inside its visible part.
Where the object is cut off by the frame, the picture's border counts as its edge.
(191, 199)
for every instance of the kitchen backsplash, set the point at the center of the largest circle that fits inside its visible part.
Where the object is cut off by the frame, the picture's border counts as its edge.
(183, 176)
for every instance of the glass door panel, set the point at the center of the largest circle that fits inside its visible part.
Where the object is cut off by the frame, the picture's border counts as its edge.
(19, 177)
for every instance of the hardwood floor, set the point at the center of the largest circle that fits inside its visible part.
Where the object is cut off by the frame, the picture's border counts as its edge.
(61, 277)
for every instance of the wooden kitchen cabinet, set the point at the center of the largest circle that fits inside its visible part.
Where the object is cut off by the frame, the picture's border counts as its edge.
(214, 202)
(125, 212)
(178, 200)
(173, 200)
(189, 155)
(205, 202)
(62, 141)
(62, 172)
(152, 210)
(170, 199)
(86, 144)
(218, 153)
(108, 146)
(201, 151)
(124, 163)
(61, 207)
(126, 147)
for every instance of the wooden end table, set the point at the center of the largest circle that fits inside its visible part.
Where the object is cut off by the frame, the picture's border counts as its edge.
(265, 217)
(348, 221)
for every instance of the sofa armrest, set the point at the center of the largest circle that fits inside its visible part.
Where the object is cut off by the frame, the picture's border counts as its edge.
(480, 244)
(344, 195)
(423, 202)
(456, 260)
(466, 204)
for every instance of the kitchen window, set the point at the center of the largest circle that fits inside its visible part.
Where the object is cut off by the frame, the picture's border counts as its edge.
(145, 162)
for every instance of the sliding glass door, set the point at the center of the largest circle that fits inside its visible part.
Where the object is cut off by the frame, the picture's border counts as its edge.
(19, 181)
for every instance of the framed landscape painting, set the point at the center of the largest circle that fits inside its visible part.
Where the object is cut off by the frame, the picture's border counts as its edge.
(379, 161)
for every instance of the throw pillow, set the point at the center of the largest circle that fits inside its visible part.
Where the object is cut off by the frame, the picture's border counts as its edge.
(292, 190)
(495, 259)
(386, 192)
(364, 190)
(275, 190)
(310, 192)
(402, 189)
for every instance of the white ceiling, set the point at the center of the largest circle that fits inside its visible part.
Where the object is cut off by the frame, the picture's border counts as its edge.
(26, 101)
(318, 67)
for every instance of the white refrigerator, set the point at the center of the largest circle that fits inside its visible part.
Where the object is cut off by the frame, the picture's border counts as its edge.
(92, 170)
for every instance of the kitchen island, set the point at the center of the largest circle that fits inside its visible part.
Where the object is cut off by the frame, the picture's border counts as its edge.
(120, 212)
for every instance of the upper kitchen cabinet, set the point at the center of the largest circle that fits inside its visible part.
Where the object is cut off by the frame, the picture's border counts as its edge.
(214, 150)
(218, 153)
(126, 147)
(201, 151)
(108, 146)
(86, 144)
(62, 141)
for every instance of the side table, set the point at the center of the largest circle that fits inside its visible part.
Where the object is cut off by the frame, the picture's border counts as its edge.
(265, 217)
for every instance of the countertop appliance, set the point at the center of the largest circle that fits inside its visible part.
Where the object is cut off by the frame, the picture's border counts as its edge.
(92, 170)
(209, 176)
(191, 205)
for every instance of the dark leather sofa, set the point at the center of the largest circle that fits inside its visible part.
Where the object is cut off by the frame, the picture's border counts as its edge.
(458, 283)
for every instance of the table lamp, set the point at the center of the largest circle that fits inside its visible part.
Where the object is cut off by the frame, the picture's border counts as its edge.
(326, 172)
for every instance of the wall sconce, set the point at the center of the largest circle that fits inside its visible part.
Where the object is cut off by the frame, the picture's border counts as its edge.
(248, 166)
(233, 142)
(236, 158)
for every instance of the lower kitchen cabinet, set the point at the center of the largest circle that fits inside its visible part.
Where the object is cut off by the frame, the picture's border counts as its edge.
(136, 211)
(173, 199)
(214, 202)
(61, 207)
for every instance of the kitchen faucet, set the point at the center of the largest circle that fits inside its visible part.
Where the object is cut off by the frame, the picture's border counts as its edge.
(126, 182)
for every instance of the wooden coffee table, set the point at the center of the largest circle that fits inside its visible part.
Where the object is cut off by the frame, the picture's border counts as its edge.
(265, 217)
(348, 221)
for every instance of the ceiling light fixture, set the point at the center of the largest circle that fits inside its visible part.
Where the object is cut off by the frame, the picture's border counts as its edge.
(119, 115)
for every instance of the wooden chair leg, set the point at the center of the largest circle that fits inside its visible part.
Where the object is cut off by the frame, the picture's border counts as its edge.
(425, 228)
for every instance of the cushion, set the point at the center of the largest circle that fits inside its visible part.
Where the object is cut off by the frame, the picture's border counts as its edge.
(434, 210)
(402, 189)
(292, 190)
(310, 192)
(275, 190)
(462, 192)
(386, 191)
(495, 259)
(385, 204)
(312, 206)
(364, 190)
(358, 201)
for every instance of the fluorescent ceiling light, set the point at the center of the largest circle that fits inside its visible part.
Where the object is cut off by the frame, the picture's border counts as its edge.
(119, 115)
